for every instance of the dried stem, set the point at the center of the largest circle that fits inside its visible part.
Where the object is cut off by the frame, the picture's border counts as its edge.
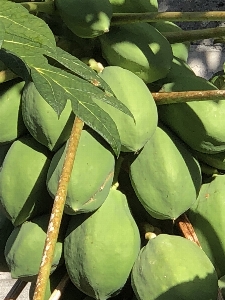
(57, 211)
(16, 290)
(57, 293)
(124, 18)
(188, 96)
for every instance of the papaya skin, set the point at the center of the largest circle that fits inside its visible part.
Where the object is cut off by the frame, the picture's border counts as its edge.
(85, 18)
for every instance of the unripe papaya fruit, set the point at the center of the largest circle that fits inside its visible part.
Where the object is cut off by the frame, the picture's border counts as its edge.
(216, 160)
(162, 172)
(140, 48)
(171, 267)
(91, 176)
(134, 6)
(11, 121)
(206, 216)
(25, 245)
(197, 123)
(42, 121)
(180, 50)
(23, 191)
(99, 257)
(132, 92)
(6, 227)
(69, 293)
(85, 18)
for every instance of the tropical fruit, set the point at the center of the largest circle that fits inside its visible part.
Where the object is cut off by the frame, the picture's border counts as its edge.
(11, 121)
(24, 248)
(172, 267)
(162, 172)
(133, 6)
(89, 184)
(69, 293)
(206, 216)
(216, 160)
(90, 20)
(100, 249)
(23, 191)
(197, 123)
(42, 121)
(132, 92)
(6, 227)
(140, 48)
(180, 50)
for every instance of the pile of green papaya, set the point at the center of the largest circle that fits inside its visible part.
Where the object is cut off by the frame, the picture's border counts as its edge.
(119, 236)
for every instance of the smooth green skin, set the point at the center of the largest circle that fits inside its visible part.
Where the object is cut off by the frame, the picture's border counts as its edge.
(180, 50)
(100, 249)
(69, 293)
(42, 121)
(6, 227)
(24, 248)
(23, 192)
(91, 178)
(171, 267)
(197, 123)
(165, 176)
(207, 218)
(134, 6)
(11, 121)
(133, 92)
(140, 48)
(216, 160)
(85, 18)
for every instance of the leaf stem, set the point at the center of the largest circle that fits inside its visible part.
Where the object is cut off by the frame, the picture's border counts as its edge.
(124, 18)
(57, 211)
(193, 35)
(188, 96)
(47, 7)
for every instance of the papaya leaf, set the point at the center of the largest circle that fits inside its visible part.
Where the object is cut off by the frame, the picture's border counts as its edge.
(57, 86)
(23, 31)
(2, 34)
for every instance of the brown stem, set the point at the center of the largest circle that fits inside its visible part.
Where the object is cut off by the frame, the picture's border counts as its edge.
(57, 211)
(186, 229)
(57, 293)
(16, 290)
(188, 96)
(124, 18)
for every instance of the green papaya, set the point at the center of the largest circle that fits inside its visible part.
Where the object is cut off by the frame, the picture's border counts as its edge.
(69, 293)
(91, 177)
(206, 216)
(23, 191)
(85, 18)
(11, 120)
(100, 248)
(162, 172)
(25, 245)
(216, 160)
(42, 121)
(6, 227)
(134, 6)
(197, 123)
(180, 50)
(172, 267)
(140, 48)
(132, 92)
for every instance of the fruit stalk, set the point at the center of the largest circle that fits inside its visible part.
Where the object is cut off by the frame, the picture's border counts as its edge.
(180, 97)
(57, 211)
(44, 7)
(124, 18)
